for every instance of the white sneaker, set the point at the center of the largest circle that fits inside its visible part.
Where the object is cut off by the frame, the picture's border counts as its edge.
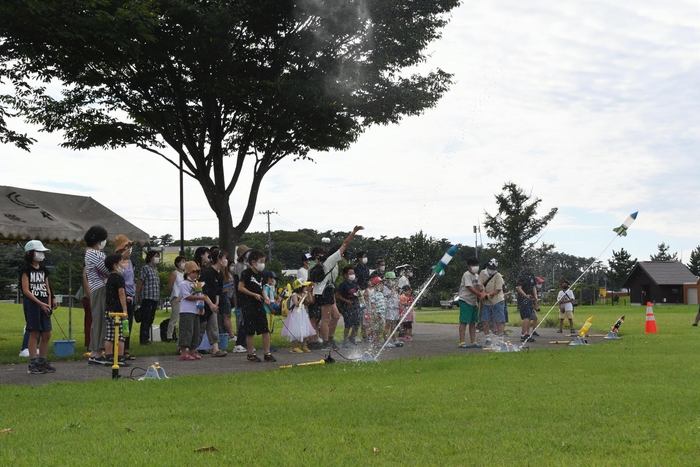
(24, 353)
(239, 349)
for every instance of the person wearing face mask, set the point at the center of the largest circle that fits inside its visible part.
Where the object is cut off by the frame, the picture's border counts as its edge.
(406, 275)
(303, 271)
(148, 293)
(39, 304)
(174, 282)
(251, 302)
(493, 300)
(348, 305)
(362, 270)
(469, 294)
(379, 269)
(212, 285)
(526, 286)
(115, 302)
(123, 246)
(226, 298)
(566, 306)
(96, 273)
(270, 293)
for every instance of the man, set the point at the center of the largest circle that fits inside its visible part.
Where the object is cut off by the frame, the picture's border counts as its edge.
(379, 269)
(526, 287)
(493, 300)
(469, 293)
(303, 271)
(566, 306)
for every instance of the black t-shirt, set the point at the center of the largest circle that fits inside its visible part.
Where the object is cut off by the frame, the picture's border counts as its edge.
(347, 291)
(362, 275)
(37, 281)
(527, 281)
(253, 283)
(114, 283)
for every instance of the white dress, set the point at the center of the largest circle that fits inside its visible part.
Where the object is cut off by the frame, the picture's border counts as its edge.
(297, 325)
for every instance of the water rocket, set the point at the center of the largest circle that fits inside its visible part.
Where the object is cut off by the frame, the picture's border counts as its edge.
(445, 259)
(622, 230)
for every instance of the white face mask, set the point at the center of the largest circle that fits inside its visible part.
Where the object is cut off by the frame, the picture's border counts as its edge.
(120, 270)
(351, 277)
(181, 266)
(39, 256)
(224, 262)
(260, 267)
(381, 268)
(487, 271)
(274, 283)
(474, 269)
(364, 260)
(156, 260)
(102, 244)
(232, 268)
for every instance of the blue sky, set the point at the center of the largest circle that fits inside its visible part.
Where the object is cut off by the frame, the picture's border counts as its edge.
(594, 107)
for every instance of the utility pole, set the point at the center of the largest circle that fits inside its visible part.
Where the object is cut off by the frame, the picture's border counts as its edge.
(476, 244)
(269, 234)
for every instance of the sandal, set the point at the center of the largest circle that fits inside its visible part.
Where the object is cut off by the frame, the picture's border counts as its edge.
(219, 353)
(128, 357)
(187, 357)
(196, 356)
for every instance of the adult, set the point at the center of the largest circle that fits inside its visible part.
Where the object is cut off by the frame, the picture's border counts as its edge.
(226, 302)
(493, 300)
(362, 270)
(212, 287)
(39, 304)
(148, 294)
(174, 283)
(566, 306)
(324, 290)
(303, 271)
(87, 322)
(469, 294)
(97, 273)
(406, 275)
(123, 246)
(242, 253)
(526, 286)
(379, 268)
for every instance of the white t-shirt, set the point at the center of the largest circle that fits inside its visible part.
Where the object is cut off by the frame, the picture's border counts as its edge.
(303, 274)
(568, 306)
(176, 285)
(403, 280)
(330, 264)
(466, 295)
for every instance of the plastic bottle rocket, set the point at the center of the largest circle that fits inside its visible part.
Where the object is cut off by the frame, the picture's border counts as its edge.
(445, 260)
(619, 322)
(125, 328)
(584, 330)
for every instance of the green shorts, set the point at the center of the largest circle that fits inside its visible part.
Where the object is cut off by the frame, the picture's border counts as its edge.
(468, 313)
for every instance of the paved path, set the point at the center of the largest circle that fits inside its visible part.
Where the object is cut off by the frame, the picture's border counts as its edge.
(429, 340)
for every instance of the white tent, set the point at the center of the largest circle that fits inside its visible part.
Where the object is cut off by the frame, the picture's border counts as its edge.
(56, 218)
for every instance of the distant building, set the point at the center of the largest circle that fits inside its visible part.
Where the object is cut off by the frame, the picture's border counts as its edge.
(661, 282)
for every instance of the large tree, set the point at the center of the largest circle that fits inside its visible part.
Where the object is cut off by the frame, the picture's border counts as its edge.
(203, 80)
(514, 227)
(621, 265)
(663, 254)
(694, 264)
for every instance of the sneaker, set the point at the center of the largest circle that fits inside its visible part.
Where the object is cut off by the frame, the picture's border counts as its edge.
(463, 345)
(122, 362)
(97, 360)
(389, 345)
(252, 358)
(305, 348)
(476, 346)
(526, 338)
(345, 344)
(239, 349)
(36, 369)
(398, 344)
(314, 346)
(353, 340)
(47, 367)
(295, 350)
(273, 349)
(694, 324)
(488, 342)
(269, 358)
(573, 331)
(534, 333)
(25, 352)
(559, 331)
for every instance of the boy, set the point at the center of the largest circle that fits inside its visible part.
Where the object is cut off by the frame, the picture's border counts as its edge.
(115, 302)
(348, 305)
(252, 299)
(378, 307)
(493, 301)
(405, 301)
(566, 306)
(469, 293)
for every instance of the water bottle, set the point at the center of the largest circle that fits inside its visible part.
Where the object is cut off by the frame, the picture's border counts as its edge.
(125, 328)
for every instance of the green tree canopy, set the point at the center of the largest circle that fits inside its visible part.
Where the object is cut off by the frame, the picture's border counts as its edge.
(694, 264)
(200, 81)
(514, 226)
(663, 254)
(621, 265)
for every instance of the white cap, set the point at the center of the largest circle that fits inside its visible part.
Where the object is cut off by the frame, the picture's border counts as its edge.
(35, 245)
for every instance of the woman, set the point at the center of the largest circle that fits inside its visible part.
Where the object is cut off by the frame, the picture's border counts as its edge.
(148, 291)
(174, 283)
(123, 246)
(97, 273)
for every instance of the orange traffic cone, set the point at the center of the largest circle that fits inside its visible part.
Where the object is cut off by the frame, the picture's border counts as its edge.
(651, 322)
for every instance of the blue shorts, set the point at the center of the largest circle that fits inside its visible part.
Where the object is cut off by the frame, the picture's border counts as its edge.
(495, 313)
(36, 319)
(468, 313)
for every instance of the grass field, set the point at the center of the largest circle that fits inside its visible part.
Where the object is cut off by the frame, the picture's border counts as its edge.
(630, 402)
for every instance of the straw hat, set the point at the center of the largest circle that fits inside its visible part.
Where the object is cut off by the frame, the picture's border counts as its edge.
(191, 266)
(121, 242)
(241, 250)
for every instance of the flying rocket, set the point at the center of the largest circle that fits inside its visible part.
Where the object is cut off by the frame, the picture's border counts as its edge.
(622, 230)
(445, 259)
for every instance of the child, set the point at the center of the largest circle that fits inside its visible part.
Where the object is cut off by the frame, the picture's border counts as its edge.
(252, 299)
(115, 302)
(378, 310)
(566, 306)
(297, 326)
(405, 302)
(271, 296)
(348, 305)
(391, 296)
(188, 321)
(39, 304)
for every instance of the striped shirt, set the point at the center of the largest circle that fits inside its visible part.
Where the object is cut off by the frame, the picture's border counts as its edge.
(151, 283)
(95, 269)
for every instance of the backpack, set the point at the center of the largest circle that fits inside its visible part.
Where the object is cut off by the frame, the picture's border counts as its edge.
(287, 306)
(317, 274)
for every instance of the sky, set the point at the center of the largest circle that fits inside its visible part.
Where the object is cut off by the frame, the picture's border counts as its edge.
(592, 107)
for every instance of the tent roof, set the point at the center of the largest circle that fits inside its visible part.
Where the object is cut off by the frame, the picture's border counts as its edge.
(57, 218)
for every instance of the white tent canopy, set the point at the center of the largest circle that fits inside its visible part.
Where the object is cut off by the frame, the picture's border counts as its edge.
(57, 218)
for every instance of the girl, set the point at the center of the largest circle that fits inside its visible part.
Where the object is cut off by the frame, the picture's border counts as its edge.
(38, 305)
(297, 326)
(404, 304)
(391, 295)
(174, 282)
(189, 338)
